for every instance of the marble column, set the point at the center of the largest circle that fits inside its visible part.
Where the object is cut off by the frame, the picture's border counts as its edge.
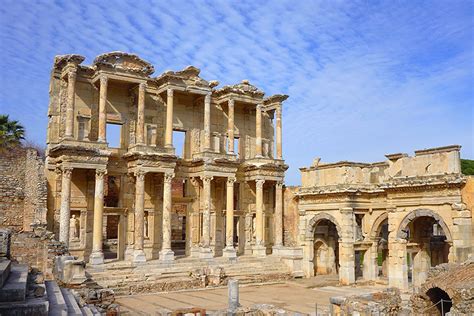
(279, 154)
(103, 109)
(259, 249)
(230, 127)
(166, 254)
(97, 256)
(138, 253)
(71, 96)
(169, 119)
(141, 114)
(229, 250)
(65, 212)
(207, 122)
(258, 132)
(278, 217)
(206, 221)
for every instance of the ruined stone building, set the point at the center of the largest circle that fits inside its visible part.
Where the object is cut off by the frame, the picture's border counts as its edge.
(395, 218)
(144, 167)
(141, 167)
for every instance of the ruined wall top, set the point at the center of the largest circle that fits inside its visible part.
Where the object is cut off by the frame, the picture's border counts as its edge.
(426, 163)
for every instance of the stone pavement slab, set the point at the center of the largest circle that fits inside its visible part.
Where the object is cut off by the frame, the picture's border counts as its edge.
(291, 296)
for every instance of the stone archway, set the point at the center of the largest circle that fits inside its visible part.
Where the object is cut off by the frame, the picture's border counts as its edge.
(377, 256)
(401, 231)
(322, 235)
(309, 234)
(429, 240)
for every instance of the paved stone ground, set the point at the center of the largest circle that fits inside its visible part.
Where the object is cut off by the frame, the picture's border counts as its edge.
(295, 296)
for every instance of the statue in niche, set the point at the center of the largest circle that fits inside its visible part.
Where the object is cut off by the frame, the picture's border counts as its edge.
(74, 228)
(145, 226)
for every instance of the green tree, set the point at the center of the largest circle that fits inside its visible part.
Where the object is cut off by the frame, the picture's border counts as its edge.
(467, 166)
(11, 132)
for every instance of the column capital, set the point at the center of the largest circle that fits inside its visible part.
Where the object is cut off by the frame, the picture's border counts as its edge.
(142, 85)
(168, 176)
(169, 92)
(207, 98)
(72, 74)
(346, 209)
(230, 102)
(259, 106)
(140, 174)
(104, 80)
(279, 185)
(230, 181)
(66, 171)
(259, 183)
(100, 173)
(206, 179)
(278, 111)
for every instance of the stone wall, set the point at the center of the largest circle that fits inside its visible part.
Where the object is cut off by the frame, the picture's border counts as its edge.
(290, 217)
(23, 189)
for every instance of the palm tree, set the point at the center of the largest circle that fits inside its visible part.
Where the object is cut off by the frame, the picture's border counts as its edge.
(11, 132)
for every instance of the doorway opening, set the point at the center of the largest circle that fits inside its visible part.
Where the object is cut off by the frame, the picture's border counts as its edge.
(326, 248)
(110, 242)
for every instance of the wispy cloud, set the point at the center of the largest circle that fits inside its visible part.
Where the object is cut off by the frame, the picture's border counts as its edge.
(365, 78)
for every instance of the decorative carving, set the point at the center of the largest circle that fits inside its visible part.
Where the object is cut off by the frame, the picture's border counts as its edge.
(140, 175)
(103, 81)
(244, 88)
(125, 62)
(279, 185)
(67, 172)
(100, 173)
(62, 60)
(168, 177)
(206, 179)
(71, 75)
(170, 92)
(230, 181)
(259, 183)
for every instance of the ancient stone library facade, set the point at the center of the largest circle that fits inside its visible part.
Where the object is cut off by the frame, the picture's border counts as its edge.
(142, 168)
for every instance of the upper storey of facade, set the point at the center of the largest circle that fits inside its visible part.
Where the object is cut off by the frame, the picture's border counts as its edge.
(433, 166)
(118, 92)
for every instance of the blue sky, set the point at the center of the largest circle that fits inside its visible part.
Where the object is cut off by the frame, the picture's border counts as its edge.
(365, 78)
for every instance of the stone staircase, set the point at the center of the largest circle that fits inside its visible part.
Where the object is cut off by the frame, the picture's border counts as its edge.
(126, 278)
(17, 299)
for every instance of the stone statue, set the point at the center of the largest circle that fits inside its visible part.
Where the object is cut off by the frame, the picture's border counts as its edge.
(74, 228)
(145, 226)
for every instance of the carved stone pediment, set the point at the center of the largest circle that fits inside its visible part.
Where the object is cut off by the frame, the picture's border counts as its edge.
(189, 76)
(124, 62)
(243, 88)
(276, 98)
(62, 60)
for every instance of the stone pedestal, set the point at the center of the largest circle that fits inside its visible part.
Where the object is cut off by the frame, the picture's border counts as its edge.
(259, 251)
(96, 258)
(346, 262)
(139, 256)
(229, 253)
(397, 264)
(206, 253)
(166, 255)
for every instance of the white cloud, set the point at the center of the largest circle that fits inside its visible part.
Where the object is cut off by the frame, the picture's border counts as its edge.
(364, 78)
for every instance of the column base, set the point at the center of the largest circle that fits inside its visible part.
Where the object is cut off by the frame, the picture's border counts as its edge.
(206, 253)
(166, 255)
(276, 250)
(229, 252)
(96, 258)
(248, 249)
(139, 256)
(259, 251)
(194, 252)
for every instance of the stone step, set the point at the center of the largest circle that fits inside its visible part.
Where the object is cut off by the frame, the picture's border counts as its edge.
(14, 289)
(5, 266)
(57, 304)
(72, 306)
